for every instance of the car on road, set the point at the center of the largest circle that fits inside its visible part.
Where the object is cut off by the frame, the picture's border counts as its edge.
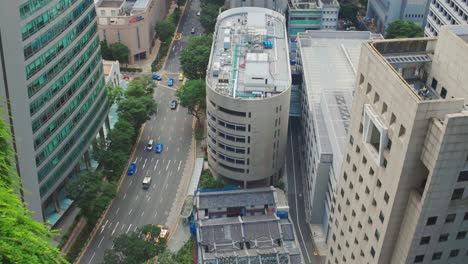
(146, 182)
(193, 30)
(198, 13)
(173, 104)
(131, 168)
(126, 78)
(170, 82)
(156, 77)
(150, 145)
(159, 148)
(181, 76)
(164, 233)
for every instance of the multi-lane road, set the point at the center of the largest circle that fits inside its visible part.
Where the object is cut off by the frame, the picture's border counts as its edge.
(134, 206)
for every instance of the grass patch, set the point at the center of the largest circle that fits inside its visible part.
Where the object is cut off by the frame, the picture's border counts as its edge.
(207, 181)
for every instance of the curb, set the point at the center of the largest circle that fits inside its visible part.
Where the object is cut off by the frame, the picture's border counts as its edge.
(104, 214)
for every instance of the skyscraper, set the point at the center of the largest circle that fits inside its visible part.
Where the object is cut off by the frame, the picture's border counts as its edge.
(445, 12)
(403, 192)
(53, 94)
(248, 88)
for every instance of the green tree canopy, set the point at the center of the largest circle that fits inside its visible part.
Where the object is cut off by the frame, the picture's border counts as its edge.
(132, 248)
(91, 194)
(115, 93)
(164, 30)
(403, 29)
(22, 239)
(207, 181)
(194, 59)
(348, 11)
(136, 110)
(141, 83)
(115, 51)
(208, 15)
(192, 95)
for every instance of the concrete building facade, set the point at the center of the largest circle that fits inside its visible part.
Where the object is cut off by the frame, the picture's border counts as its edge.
(403, 193)
(445, 12)
(52, 93)
(326, 107)
(131, 23)
(248, 87)
(384, 12)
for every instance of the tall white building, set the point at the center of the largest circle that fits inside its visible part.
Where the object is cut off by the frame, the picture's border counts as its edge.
(445, 12)
(403, 193)
(326, 106)
(248, 86)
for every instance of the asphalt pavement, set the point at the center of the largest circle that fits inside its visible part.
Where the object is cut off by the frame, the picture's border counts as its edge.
(134, 206)
(295, 194)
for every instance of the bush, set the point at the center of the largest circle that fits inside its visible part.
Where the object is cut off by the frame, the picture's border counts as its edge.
(207, 181)
(68, 232)
(79, 242)
(199, 133)
(131, 70)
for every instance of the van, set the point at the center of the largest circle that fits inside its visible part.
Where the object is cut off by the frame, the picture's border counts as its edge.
(146, 182)
(150, 145)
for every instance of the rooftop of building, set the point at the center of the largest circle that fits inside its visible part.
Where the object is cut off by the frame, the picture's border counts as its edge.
(126, 7)
(249, 58)
(324, 56)
(311, 4)
(236, 198)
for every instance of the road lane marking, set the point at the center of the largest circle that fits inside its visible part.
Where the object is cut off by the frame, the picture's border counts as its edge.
(178, 108)
(164, 118)
(151, 129)
(180, 163)
(159, 138)
(131, 209)
(178, 149)
(156, 214)
(159, 172)
(156, 165)
(170, 138)
(142, 213)
(154, 186)
(122, 228)
(152, 159)
(125, 195)
(131, 181)
(148, 199)
(116, 212)
(144, 163)
(110, 225)
(128, 228)
(165, 187)
(113, 231)
(104, 226)
(136, 198)
(167, 167)
(100, 242)
(134, 230)
(94, 253)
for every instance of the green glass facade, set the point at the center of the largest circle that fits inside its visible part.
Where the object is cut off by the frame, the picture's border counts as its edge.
(65, 84)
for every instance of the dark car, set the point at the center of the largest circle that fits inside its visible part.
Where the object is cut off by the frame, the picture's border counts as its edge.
(170, 82)
(156, 77)
(173, 104)
(131, 168)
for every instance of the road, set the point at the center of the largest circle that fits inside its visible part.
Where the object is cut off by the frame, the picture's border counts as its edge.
(134, 207)
(295, 194)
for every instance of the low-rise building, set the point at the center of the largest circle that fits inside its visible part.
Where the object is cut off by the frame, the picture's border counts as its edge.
(245, 226)
(131, 22)
(445, 12)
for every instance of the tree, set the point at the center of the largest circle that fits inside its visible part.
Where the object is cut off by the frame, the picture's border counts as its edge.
(115, 93)
(142, 82)
(23, 240)
(105, 51)
(134, 248)
(194, 59)
(207, 181)
(208, 15)
(192, 95)
(91, 194)
(180, 3)
(349, 11)
(136, 110)
(164, 30)
(120, 52)
(403, 29)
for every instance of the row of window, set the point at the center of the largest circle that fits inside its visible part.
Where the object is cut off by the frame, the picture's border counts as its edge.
(48, 16)
(41, 41)
(438, 255)
(442, 238)
(32, 6)
(60, 137)
(232, 112)
(75, 154)
(59, 102)
(60, 154)
(227, 124)
(42, 137)
(233, 138)
(450, 218)
(44, 60)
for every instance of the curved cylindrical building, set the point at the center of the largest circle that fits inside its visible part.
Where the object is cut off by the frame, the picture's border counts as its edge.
(248, 90)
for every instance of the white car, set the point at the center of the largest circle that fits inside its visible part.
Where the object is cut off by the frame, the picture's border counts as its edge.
(198, 13)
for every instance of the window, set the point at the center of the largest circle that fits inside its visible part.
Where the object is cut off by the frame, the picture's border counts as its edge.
(389, 144)
(379, 184)
(385, 162)
(374, 202)
(465, 217)
(443, 237)
(461, 235)
(425, 240)
(381, 217)
(418, 259)
(376, 97)
(372, 251)
(437, 255)
(366, 238)
(402, 131)
(369, 220)
(450, 218)
(377, 234)
(434, 83)
(361, 79)
(443, 92)
(231, 112)
(463, 176)
(431, 220)
(367, 190)
(361, 128)
(345, 176)
(386, 197)
(454, 253)
(369, 88)
(384, 108)
(392, 119)
(371, 171)
(363, 208)
(358, 149)
(351, 140)
(457, 193)
(364, 159)
(361, 179)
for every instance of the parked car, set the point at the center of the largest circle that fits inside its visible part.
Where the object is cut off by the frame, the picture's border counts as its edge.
(170, 82)
(159, 148)
(131, 168)
(156, 77)
(126, 78)
(173, 104)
